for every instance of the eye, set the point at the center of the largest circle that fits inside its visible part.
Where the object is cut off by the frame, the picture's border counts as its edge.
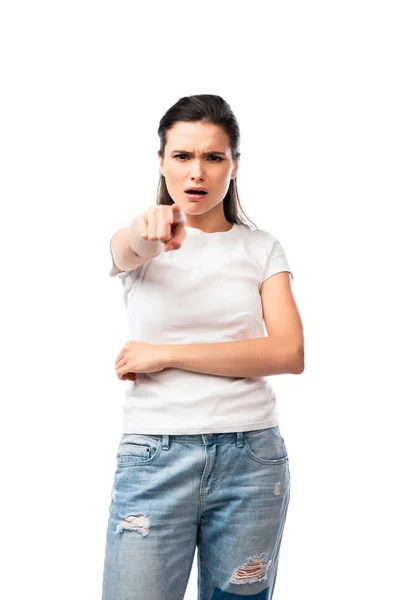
(219, 159)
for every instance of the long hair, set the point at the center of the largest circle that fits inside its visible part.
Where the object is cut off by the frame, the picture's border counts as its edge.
(213, 109)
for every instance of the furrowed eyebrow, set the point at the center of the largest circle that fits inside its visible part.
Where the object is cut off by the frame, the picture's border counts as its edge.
(204, 153)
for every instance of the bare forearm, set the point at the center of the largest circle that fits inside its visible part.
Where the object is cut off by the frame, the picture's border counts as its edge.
(130, 250)
(257, 357)
(143, 247)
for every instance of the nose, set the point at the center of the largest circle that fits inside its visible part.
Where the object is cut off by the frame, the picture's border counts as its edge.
(197, 170)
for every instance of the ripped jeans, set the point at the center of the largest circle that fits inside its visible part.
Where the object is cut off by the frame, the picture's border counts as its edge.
(225, 493)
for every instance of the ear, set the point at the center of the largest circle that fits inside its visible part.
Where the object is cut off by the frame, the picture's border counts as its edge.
(161, 163)
(235, 169)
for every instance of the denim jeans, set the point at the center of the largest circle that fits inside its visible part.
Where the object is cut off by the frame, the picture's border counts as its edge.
(225, 493)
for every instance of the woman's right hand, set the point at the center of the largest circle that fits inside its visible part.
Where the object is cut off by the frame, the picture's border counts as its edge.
(165, 223)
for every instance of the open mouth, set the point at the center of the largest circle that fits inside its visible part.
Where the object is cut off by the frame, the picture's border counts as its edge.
(195, 193)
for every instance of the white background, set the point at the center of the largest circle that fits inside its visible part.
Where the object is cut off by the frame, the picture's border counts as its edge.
(315, 88)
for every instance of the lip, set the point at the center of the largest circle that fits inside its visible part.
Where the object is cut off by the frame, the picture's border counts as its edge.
(195, 196)
(196, 187)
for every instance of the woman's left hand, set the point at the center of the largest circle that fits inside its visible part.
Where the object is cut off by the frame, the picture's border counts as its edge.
(138, 357)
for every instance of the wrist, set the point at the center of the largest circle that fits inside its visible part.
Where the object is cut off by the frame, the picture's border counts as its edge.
(143, 248)
(166, 355)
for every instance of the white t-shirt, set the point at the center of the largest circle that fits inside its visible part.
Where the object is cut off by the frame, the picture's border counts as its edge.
(206, 291)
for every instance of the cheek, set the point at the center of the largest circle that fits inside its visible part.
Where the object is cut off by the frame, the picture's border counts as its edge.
(173, 174)
(224, 180)
(224, 175)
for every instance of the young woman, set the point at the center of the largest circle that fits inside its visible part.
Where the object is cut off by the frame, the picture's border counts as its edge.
(201, 461)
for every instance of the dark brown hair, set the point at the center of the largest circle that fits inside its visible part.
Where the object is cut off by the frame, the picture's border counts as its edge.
(206, 108)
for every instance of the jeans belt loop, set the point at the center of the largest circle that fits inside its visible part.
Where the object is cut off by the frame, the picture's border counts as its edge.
(239, 436)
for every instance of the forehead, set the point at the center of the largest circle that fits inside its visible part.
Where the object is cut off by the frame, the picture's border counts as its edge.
(197, 136)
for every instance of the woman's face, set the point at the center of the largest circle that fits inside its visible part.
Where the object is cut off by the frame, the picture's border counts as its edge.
(186, 165)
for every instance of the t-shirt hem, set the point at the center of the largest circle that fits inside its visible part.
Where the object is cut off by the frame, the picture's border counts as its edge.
(271, 422)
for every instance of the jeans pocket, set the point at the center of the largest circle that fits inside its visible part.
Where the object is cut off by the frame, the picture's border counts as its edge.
(266, 446)
(137, 449)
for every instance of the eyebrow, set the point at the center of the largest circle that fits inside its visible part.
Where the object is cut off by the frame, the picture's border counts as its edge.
(204, 153)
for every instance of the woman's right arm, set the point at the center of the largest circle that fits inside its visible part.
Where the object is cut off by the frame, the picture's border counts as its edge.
(130, 246)
(129, 250)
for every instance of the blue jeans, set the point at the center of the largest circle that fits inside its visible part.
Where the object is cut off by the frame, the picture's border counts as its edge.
(225, 493)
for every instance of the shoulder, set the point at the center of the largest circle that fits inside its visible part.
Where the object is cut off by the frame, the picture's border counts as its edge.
(262, 239)
(263, 235)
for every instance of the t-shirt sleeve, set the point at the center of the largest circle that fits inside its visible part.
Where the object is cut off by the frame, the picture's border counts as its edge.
(128, 278)
(276, 260)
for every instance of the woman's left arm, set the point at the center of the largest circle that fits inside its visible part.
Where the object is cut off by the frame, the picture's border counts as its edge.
(281, 352)
(257, 357)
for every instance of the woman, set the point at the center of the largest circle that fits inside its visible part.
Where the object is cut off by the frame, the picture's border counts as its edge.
(201, 462)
